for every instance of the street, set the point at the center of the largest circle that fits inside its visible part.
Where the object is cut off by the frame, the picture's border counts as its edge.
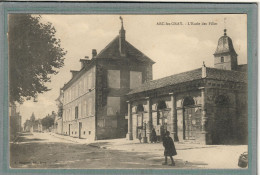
(42, 150)
(45, 150)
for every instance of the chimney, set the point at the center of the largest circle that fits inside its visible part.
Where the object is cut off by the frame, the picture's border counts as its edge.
(74, 72)
(85, 61)
(94, 53)
(204, 71)
(122, 42)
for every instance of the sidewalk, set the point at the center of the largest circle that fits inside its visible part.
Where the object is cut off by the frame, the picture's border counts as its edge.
(194, 155)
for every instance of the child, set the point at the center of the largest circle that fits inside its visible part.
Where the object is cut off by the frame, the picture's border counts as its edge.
(169, 148)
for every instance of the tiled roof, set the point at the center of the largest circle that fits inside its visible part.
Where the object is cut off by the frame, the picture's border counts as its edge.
(211, 73)
(167, 81)
(112, 51)
(226, 75)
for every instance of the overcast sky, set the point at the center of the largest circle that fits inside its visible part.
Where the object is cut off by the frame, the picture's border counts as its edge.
(174, 48)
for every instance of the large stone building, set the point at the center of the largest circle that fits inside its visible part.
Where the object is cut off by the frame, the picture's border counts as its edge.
(205, 105)
(94, 105)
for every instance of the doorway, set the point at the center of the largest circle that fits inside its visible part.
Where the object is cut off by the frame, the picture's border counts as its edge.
(80, 128)
(191, 119)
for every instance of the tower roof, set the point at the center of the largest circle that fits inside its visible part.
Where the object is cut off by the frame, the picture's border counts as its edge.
(225, 45)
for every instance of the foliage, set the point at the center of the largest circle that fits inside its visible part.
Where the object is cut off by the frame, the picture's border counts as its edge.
(48, 121)
(34, 54)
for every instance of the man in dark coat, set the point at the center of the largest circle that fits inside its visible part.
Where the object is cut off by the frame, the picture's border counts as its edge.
(169, 148)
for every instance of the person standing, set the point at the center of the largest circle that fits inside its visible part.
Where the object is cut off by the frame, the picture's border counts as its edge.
(140, 137)
(169, 148)
(153, 136)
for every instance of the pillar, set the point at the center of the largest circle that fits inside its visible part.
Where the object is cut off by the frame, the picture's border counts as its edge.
(205, 135)
(130, 126)
(149, 123)
(174, 118)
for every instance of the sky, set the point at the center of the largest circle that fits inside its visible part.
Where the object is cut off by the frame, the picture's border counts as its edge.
(175, 48)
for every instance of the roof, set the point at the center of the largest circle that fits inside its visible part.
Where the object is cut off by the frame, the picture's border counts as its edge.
(211, 73)
(225, 45)
(226, 75)
(170, 80)
(112, 51)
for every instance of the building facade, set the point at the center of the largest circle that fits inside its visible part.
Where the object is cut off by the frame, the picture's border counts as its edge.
(15, 120)
(94, 105)
(205, 105)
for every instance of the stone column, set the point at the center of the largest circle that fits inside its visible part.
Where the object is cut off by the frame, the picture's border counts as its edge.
(174, 117)
(149, 123)
(130, 126)
(204, 118)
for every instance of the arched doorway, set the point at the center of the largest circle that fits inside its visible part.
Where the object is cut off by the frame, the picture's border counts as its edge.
(162, 119)
(191, 119)
(162, 114)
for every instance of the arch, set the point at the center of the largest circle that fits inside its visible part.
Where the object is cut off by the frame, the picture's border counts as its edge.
(140, 108)
(188, 101)
(161, 105)
(222, 100)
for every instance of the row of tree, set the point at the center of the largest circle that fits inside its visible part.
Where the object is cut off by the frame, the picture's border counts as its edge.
(45, 123)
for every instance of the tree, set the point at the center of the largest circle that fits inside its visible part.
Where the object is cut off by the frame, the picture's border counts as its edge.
(34, 55)
(48, 121)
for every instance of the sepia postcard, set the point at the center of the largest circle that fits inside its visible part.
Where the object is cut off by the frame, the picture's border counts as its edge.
(164, 92)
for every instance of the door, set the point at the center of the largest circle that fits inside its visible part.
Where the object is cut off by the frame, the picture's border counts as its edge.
(80, 128)
(189, 123)
(69, 129)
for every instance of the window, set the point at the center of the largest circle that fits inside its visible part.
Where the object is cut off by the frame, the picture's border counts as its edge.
(89, 81)
(90, 106)
(69, 95)
(80, 87)
(76, 112)
(113, 105)
(135, 79)
(84, 107)
(222, 59)
(101, 123)
(85, 84)
(113, 78)
(77, 91)
(79, 110)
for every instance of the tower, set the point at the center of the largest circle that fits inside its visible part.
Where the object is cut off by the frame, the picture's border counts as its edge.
(225, 56)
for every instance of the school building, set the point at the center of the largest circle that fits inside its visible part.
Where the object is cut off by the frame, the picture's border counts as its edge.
(113, 96)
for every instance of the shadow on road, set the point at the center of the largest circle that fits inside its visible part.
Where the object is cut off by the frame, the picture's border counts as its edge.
(41, 154)
(24, 138)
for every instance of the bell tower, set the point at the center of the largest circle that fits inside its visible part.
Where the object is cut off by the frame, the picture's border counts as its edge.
(225, 56)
